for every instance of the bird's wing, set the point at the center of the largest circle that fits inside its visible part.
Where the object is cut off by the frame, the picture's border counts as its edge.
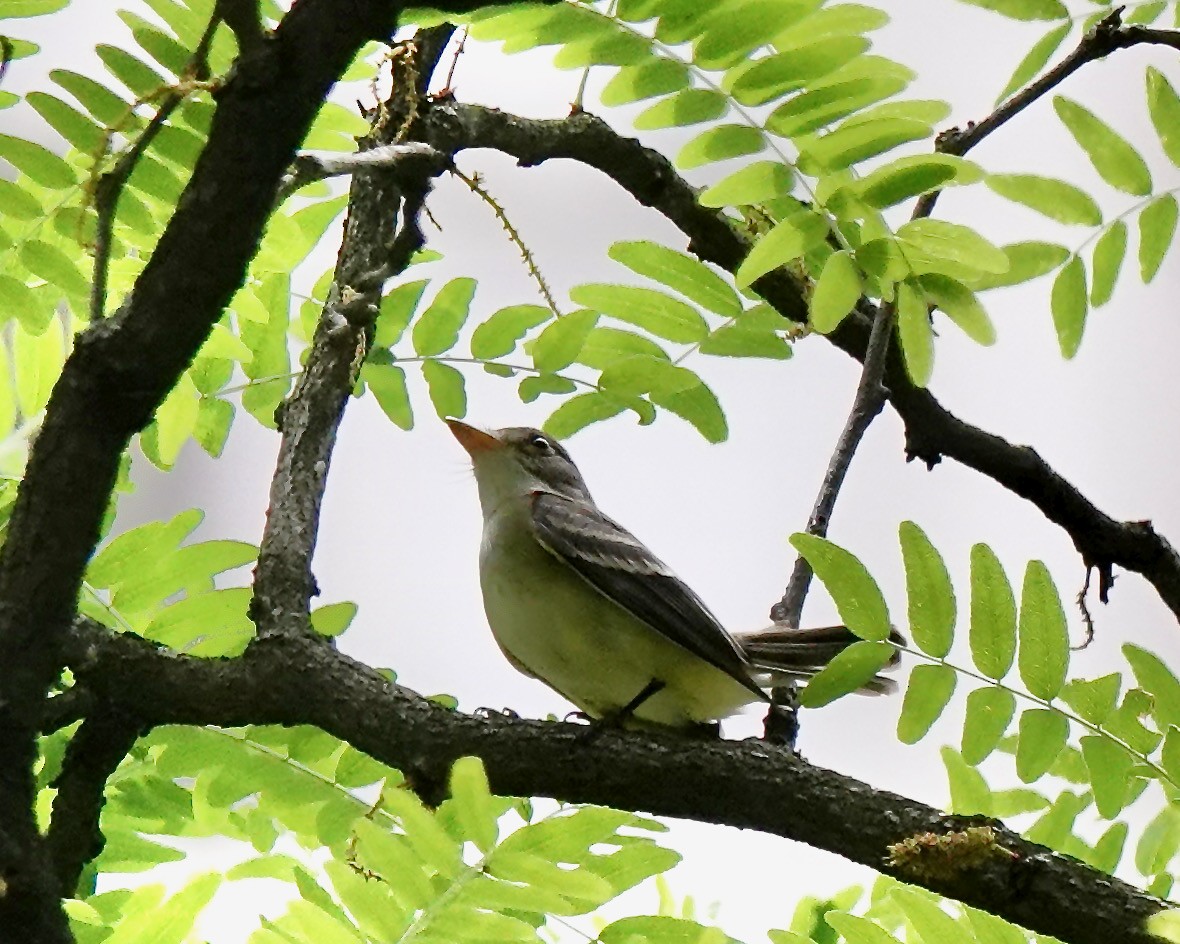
(618, 565)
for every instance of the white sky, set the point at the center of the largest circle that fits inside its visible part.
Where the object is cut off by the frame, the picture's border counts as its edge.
(401, 521)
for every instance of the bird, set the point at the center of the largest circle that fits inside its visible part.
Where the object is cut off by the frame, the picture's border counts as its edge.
(576, 601)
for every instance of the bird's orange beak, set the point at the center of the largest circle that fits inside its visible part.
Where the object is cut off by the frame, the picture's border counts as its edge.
(475, 441)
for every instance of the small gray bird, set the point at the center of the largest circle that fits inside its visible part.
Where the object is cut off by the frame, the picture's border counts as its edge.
(577, 601)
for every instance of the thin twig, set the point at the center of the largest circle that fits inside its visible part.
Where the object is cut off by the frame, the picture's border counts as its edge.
(870, 398)
(476, 185)
(1084, 609)
(308, 167)
(1107, 36)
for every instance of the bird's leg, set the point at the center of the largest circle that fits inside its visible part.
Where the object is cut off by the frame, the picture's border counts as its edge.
(620, 716)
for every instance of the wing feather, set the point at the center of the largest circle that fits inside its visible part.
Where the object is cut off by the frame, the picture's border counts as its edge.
(617, 564)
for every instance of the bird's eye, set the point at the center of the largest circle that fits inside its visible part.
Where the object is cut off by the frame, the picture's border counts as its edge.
(540, 443)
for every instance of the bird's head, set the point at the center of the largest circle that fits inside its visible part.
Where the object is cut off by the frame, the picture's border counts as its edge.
(516, 461)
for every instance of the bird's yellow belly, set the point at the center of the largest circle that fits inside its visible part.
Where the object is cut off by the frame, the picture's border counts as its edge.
(557, 627)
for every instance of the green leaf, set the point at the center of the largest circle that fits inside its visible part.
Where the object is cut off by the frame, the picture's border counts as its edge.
(447, 390)
(960, 304)
(1069, 306)
(989, 712)
(857, 597)
(1110, 773)
(847, 672)
(612, 47)
(17, 203)
(787, 241)
(332, 620)
(139, 77)
(532, 387)
(698, 405)
(1053, 198)
(397, 308)
(687, 107)
(654, 311)
(790, 69)
(472, 801)
(1157, 226)
(1026, 260)
(106, 107)
(51, 264)
(970, 793)
(39, 164)
(954, 250)
(1093, 699)
(1154, 677)
(1164, 105)
(605, 346)
(853, 143)
(1035, 59)
(1116, 161)
(1159, 842)
(388, 383)
(1042, 736)
(993, 614)
(754, 333)
(934, 926)
(38, 360)
(928, 587)
(1024, 9)
(739, 27)
(915, 333)
(437, 329)
(502, 331)
(756, 183)
(1108, 259)
(911, 176)
(834, 100)
(206, 624)
(679, 271)
(170, 922)
(578, 412)
(654, 77)
(836, 292)
(858, 930)
(926, 697)
(560, 343)
(79, 130)
(1044, 640)
(19, 8)
(720, 143)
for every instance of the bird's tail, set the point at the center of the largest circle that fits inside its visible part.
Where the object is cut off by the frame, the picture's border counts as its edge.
(780, 653)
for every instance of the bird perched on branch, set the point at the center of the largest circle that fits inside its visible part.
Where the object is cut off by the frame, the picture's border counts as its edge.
(577, 601)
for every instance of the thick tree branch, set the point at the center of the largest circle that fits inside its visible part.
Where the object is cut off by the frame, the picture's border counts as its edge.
(295, 680)
(932, 432)
(120, 370)
(93, 753)
(390, 181)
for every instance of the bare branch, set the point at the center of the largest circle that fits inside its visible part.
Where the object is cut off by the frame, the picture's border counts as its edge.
(308, 167)
(866, 404)
(297, 679)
